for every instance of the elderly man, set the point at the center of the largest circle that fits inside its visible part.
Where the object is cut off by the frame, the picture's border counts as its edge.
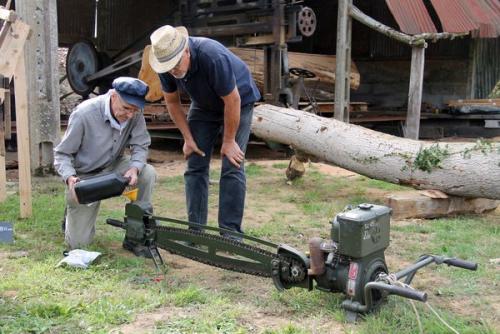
(98, 132)
(222, 94)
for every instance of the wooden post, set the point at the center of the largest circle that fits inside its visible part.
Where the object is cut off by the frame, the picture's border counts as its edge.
(347, 69)
(23, 142)
(3, 177)
(342, 69)
(412, 125)
(42, 79)
(6, 117)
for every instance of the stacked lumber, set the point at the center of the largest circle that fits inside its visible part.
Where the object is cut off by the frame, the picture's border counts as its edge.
(321, 87)
(475, 102)
(475, 106)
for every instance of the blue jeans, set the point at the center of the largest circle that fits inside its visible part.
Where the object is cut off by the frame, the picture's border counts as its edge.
(232, 185)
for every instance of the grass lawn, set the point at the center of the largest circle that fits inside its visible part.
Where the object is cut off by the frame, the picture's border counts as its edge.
(123, 294)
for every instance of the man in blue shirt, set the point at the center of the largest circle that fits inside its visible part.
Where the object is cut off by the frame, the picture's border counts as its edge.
(222, 93)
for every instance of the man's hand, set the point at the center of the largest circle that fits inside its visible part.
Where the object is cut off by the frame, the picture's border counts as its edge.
(71, 181)
(131, 174)
(233, 152)
(190, 147)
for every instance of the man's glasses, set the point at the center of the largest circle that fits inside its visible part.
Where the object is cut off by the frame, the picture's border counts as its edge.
(176, 67)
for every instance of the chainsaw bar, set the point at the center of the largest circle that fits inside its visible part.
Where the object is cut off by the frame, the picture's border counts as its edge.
(215, 250)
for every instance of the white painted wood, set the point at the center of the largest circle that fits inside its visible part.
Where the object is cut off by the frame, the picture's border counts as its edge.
(465, 170)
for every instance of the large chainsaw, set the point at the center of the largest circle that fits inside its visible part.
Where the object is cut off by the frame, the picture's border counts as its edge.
(233, 251)
(352, 261)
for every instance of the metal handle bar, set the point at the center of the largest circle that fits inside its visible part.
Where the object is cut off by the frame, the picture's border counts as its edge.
(116, 223)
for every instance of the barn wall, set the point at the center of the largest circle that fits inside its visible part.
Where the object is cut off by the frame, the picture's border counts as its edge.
(385, 83)
(485, 72)
(122, 22)
(75, 21)
(384, 64)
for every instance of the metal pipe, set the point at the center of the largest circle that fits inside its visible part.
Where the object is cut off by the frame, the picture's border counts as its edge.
(316, 256)
(411, 269)
(391, 289)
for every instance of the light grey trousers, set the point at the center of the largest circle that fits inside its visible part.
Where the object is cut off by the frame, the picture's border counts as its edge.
(81, 218)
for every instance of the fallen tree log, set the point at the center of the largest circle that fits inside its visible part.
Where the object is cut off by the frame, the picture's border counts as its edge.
(461, 169)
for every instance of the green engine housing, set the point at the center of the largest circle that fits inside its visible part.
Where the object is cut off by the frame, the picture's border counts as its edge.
(355, 256)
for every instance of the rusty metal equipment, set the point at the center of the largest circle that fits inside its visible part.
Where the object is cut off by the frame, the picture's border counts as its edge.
(269, 24)
(352, 261)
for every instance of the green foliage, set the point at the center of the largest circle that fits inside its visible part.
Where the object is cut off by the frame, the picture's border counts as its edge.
(280, 165)
(495, 92)
(397, 316)
(288, 329)
(481, 145)
(189, 295)
(430, 158)
(252, 169)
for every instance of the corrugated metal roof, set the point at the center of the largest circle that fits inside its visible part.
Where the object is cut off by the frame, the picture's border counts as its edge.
(454, 17)
(480, 17)
(411, 16)
(491, 10)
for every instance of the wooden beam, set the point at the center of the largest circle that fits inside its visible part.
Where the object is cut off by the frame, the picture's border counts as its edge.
(257, 40)
(415, 40)
(7, 15)
(23, 142)
(412, 126)
(347, 98)
(43, 94)
(7, 117)
(475, 102)
(12, 47)
(380, 27)
(341, 112)
(3, 176)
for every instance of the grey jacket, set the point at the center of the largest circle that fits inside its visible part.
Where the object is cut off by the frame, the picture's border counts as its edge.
(91, 144)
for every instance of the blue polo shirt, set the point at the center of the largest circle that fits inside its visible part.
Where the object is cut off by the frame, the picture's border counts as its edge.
(214, 72)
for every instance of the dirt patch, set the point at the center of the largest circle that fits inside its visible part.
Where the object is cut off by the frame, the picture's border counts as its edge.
(254, 321)
(258, 322)
(334, 170)
(469, 308)
(187, 270)
(146, 322)
(12, 255)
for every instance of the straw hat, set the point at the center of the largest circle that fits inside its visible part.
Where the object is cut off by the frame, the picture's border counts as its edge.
(167, 45)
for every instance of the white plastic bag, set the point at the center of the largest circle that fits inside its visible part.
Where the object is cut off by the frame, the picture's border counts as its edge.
(79, 258)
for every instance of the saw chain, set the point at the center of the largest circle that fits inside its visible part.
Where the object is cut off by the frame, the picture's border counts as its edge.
(230, 257)
(213, 246)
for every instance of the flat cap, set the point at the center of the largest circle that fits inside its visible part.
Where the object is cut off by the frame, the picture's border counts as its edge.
(132, 90)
